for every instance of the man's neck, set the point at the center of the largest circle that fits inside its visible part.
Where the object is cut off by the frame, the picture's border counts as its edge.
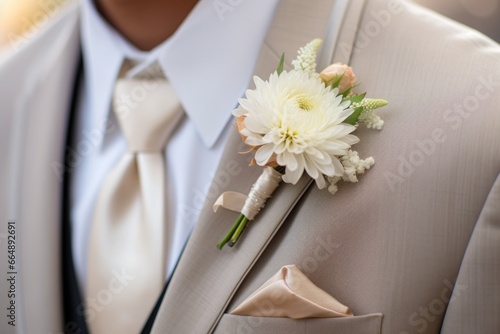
(145, 23)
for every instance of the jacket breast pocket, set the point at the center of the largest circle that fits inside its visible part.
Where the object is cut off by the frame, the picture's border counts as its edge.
(237, 324)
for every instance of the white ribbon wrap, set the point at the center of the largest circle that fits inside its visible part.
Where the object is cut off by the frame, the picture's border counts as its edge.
(250, 205)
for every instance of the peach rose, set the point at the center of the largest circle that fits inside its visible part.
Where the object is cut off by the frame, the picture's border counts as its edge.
(333, 71)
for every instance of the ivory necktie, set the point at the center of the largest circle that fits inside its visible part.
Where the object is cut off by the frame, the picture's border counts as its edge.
(127, 257)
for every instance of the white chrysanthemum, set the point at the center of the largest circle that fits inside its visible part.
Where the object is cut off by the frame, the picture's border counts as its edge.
(297, 119)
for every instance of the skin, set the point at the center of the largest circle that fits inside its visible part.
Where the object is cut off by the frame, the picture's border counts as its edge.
(145, 23)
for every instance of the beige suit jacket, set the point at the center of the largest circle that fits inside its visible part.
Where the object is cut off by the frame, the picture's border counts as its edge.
(413, 248)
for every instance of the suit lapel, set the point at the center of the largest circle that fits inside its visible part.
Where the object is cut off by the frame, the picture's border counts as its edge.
(206, 278)
(36, 183)
(347, 33)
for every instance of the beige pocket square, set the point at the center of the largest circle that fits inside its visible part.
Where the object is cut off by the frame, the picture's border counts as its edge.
(290, 294)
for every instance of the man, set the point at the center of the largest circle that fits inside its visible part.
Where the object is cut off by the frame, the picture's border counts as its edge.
(412, 248)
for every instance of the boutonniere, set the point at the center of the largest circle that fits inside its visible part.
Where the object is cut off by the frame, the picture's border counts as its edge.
(300, 121)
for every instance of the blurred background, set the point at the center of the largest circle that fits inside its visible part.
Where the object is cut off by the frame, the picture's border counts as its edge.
(20, 19)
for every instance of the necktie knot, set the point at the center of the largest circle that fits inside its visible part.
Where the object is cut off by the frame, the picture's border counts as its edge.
(147, 110)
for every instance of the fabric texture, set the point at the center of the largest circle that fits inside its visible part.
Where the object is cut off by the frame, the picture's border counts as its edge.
(294, 296)
(408, 248)
(128, 232)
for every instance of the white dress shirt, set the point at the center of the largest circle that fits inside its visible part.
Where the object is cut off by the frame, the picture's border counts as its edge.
(209, 61)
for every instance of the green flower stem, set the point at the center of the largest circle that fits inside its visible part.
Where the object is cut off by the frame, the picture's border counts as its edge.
(239, 225)
(229, 235)
(237, 234)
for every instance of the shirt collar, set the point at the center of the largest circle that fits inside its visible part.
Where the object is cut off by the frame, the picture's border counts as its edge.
(103, 60)
(209, 60)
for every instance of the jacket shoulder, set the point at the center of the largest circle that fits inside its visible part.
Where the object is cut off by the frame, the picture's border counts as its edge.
(410, 32)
